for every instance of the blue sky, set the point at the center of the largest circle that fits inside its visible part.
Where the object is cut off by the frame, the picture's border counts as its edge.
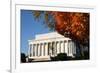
(29, 28)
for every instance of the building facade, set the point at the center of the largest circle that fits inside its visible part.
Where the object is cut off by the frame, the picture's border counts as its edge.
(49, 45)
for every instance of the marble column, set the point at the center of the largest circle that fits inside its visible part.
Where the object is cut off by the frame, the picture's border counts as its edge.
(48, 48)
(39, 50)
(63, 47)
(58, 47)
(33, 50)
(66, 46)
(30, 50)
(70, 47)
(52, 48)
(44, 49)
(55, 48)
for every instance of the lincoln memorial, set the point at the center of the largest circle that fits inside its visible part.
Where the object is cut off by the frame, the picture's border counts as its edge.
(49, 45)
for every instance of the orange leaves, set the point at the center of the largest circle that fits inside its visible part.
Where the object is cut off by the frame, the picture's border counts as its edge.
(76, 25)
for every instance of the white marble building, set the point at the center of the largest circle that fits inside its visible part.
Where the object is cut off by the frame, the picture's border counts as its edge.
(50, 44)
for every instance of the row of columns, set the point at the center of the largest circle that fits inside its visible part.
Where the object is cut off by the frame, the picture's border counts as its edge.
(52, 48)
